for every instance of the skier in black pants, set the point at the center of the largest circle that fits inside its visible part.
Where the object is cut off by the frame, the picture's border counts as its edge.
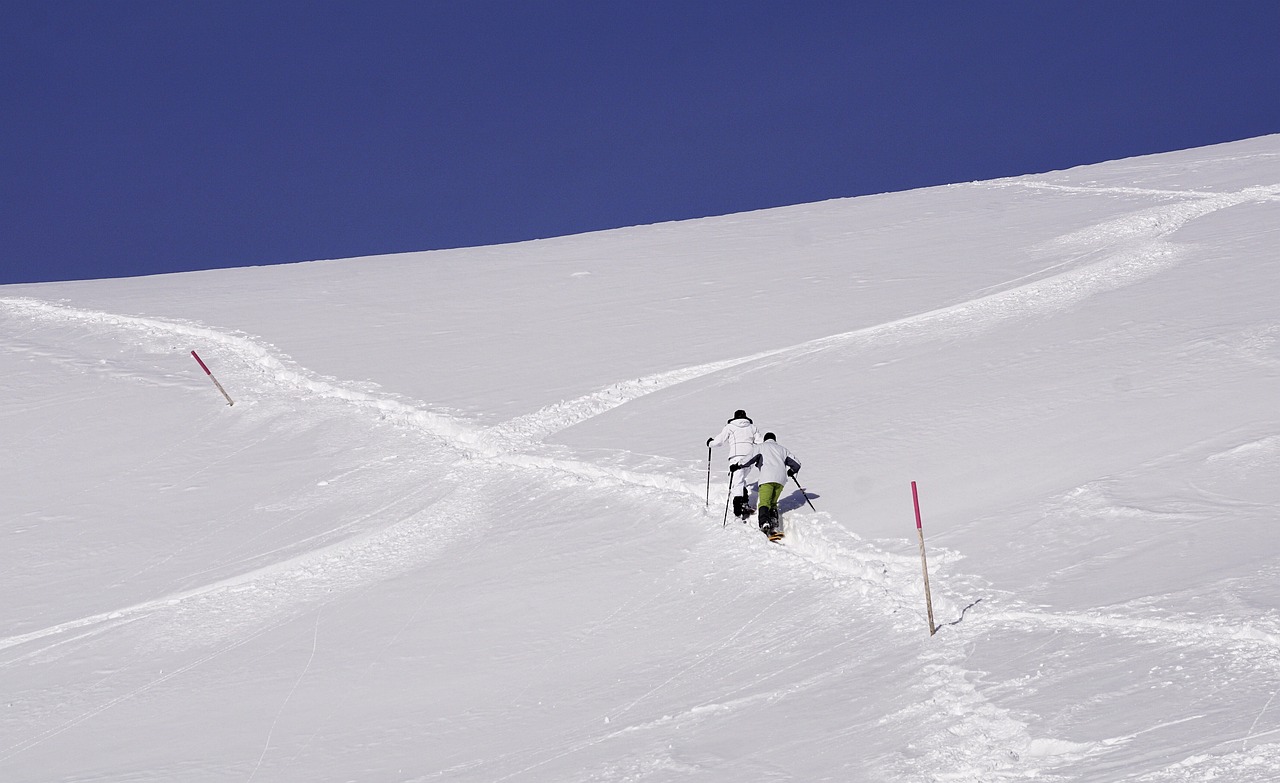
(740, 435)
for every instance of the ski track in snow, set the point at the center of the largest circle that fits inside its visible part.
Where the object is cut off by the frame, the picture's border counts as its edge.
(1131, 249)
(987, 742)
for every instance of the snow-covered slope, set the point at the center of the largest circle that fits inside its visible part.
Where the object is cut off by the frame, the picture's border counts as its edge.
(457, 526)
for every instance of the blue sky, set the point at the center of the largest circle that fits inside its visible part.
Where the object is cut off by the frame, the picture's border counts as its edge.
(142, 137)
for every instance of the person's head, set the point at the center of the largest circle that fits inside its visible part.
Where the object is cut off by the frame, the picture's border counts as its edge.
(770, 436)
(739, 414)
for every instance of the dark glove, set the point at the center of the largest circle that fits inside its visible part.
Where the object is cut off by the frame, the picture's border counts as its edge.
(709, 442)
(734, 466)
(791, 472)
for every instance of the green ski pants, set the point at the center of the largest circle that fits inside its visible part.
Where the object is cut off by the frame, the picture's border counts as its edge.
(769, 494)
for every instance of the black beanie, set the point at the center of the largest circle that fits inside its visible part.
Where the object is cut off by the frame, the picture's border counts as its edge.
(739, 414)
(770, 436)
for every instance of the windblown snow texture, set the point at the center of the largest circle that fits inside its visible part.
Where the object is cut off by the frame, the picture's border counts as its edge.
(455, 526)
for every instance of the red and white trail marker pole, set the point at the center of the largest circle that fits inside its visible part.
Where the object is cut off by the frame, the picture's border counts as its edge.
(204, 367)
(924, 565)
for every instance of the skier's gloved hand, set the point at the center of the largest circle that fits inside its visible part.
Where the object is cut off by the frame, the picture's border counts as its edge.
(709, 442)
(791, 472)
(734, 467)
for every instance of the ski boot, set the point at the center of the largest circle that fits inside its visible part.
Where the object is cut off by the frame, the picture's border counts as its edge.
(767, 520)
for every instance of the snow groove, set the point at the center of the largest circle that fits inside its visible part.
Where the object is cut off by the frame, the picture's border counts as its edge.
(1129, 249)
(1211, 634)
(226, 606)
(275, 371)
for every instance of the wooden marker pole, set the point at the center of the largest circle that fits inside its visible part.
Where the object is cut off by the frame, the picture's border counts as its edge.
(924, 565)
(215, 380)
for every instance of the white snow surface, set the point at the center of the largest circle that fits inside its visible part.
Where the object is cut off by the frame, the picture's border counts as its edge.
(456, 525)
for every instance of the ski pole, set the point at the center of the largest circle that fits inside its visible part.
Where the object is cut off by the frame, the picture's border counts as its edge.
(802, 492)
(727, 498)
(708, 477)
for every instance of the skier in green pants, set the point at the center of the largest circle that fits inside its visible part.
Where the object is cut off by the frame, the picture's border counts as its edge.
(775, 464)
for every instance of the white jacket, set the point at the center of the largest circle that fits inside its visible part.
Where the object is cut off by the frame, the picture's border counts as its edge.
(772, 460)
(740, 435)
